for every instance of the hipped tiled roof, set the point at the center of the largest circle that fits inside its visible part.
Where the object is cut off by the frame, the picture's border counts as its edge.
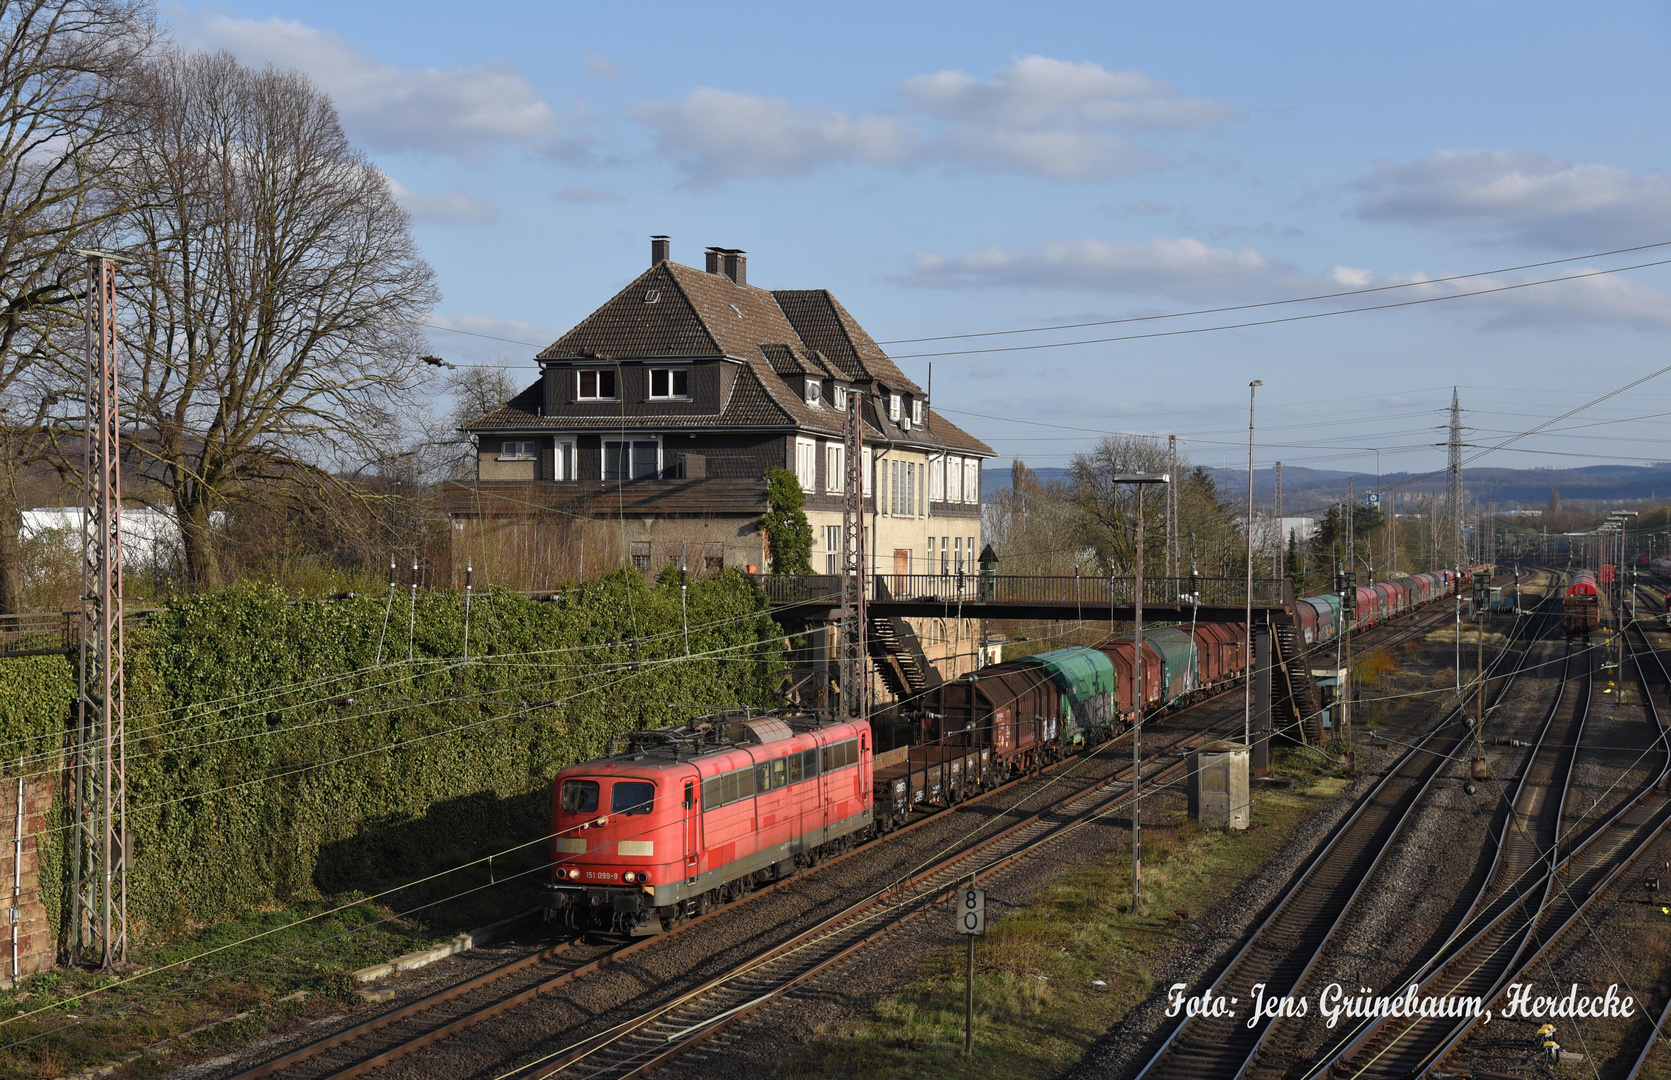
(674, 310)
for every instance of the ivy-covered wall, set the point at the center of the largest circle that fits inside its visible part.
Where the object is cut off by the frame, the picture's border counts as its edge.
(271, 750)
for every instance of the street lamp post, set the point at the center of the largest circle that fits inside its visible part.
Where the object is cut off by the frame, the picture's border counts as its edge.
(1138, 480)
(1247, 682)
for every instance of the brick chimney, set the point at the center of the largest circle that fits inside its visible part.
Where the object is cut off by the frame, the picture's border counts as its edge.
(736, 265)
(715, 257)
(660, 250)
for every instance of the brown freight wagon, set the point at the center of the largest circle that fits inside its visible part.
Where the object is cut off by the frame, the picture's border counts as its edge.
(1012, 707)
(1121, 653)
(930, 776)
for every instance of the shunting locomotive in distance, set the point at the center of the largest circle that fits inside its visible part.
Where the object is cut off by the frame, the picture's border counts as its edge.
(694, 816)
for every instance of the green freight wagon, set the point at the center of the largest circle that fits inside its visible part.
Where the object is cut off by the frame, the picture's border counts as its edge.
(1177, 652)
(1084, 679)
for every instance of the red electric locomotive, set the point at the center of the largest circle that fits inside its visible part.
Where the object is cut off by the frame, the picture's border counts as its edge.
(1581, 606)
(692, 817)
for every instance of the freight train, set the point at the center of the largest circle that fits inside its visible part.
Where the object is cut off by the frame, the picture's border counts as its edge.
(690, 817)
(1032, 711)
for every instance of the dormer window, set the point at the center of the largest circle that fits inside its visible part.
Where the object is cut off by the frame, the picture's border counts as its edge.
(669, 384)
(595, 386)
(814, 393)
(893, 407)
(917, 411)
(838, 395)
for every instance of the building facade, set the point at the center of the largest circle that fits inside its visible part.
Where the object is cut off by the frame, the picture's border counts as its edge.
(646, 439)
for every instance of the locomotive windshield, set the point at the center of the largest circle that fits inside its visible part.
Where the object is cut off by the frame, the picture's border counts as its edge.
(631, 797)
(580, 796)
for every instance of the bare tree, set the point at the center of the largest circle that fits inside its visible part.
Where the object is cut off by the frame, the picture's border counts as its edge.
(273, 317)
(1210, 531)
(63, 69)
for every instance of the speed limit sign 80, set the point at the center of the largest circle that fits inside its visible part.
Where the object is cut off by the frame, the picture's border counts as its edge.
(971, 910)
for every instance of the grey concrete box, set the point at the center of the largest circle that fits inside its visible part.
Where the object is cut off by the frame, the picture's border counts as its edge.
(1218, 786)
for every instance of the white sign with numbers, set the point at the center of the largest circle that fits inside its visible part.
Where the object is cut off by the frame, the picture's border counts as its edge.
(971, 910)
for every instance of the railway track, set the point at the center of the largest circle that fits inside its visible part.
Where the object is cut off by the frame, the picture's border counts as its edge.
(650, 1040)
(1285, 947)
(1510, 939)
(422, 1023)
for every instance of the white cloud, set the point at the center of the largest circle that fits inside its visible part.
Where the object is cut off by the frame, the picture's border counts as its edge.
(603, 67)
(447, 207)
(590, 195)
(1051, 117)
(1188, 271)
(721, 134)
(1523, 196)
(461, 112)
(1181, 267)
(1037, 92)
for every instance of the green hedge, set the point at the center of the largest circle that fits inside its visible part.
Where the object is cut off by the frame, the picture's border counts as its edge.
(271, 758)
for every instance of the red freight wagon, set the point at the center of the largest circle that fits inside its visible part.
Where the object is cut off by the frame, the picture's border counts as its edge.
(695, 816)
(1121, 652)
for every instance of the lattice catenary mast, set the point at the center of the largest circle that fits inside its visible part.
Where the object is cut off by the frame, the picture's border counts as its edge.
(1453, 486)
(855, 681)
(99, 771)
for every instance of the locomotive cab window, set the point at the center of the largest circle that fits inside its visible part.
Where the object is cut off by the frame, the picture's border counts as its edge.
(793, 764)
(580, 796)
(632, 797)
(809, 763)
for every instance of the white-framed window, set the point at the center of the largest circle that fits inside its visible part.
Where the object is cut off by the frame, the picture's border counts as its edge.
(632, 459)
(970, 548)
(832, 549)
(937, 480)
(933, 559)
(869, 471)
(835, 467)
(815, 393)
(957, 553)
(838, 396)
(893, 407)
(954, 479)
(595, 385)
(562, 461)
(972, 480)
(806, 464)
(917, 411)
(945, 554)
(905, 489)
(669, 384)
(516, 450)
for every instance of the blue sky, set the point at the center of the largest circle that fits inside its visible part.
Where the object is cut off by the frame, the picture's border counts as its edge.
(948, 169)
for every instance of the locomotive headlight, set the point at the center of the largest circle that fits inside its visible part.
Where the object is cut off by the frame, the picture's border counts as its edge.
(574, 873)
(629, 877)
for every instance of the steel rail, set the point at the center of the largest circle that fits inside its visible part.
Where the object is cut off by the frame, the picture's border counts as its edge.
(1505, 852)
(1599, 858)
(1506, 922)
(646, 1042)
(1222, 1046)
(546, 986)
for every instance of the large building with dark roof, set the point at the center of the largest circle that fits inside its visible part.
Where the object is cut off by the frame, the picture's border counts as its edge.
(646, 438)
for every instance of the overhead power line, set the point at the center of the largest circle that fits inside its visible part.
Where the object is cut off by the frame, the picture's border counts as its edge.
(1365, 291)
(1285, 318)
(1274, 303)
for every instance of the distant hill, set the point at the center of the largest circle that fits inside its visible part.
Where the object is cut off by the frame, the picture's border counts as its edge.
(1509, 489)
